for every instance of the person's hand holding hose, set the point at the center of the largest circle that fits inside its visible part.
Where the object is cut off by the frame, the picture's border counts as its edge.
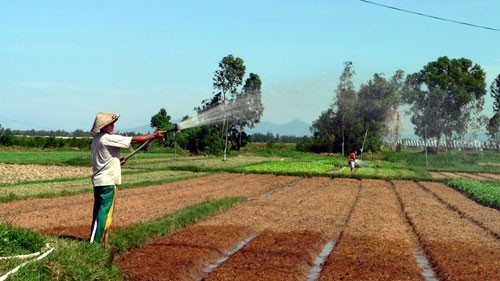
(149, 137)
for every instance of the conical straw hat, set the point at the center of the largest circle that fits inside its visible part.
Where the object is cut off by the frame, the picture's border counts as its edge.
(103, 119)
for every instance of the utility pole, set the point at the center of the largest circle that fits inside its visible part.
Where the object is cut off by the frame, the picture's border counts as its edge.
(396, 133)
(363, 145)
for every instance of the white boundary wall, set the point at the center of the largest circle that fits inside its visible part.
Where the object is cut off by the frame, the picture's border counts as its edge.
(450, 145)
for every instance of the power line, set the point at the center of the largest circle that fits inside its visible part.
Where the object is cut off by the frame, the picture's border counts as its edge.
(25, 123)
(430, 16)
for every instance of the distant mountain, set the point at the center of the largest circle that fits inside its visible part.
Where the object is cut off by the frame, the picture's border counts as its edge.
(140, 130)
(293, 128)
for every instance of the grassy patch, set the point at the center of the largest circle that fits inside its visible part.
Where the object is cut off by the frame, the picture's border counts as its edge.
(44, 157)
(486, 193)
(17, 241)
(211, 163)
(71, 187)
(286, 150)
(454, 161)
(71, 260)
(65, 157)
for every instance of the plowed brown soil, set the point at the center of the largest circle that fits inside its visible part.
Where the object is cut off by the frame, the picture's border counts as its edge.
(457, 175)
(481, 215)
(29, 172)
(458, 247)
(65, 214)
(278, 234)
(377, 242)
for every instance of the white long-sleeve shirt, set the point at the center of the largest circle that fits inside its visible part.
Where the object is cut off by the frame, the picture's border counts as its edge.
(106, 166)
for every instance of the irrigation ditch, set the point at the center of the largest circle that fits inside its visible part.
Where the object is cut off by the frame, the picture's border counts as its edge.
(294, 228)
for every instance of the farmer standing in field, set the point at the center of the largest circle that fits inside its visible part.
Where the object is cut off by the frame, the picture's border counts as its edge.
(352, 160)
(106, 168)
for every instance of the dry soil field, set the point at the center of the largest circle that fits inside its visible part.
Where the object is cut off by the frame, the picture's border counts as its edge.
(294, 229)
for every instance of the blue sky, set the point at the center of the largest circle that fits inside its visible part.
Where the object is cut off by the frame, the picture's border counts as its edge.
(61, 62)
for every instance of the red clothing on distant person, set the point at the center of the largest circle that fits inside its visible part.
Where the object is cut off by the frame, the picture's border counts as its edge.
(352, 157)
(352, 160)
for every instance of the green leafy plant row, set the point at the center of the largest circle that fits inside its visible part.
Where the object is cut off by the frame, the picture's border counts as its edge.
(485, 193)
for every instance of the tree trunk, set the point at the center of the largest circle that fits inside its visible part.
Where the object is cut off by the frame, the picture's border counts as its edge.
(363, 145)
(343, 142)
(437, 143)
(239, 141)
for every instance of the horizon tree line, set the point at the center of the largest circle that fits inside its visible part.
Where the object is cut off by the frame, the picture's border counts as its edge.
(445, 100)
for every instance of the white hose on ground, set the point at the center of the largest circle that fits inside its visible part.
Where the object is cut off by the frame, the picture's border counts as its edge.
(6, 275)
(21, 256)
(331, 172)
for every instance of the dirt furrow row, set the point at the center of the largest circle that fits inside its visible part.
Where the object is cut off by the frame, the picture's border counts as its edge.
(461, 175)
(377, 243)
(471, 176)
(292, 226)
(457, 248)
(488, 218)
(75, 212)
(491, 176)
(450, 175)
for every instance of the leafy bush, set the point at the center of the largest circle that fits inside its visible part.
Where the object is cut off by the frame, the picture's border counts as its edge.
(45, 142)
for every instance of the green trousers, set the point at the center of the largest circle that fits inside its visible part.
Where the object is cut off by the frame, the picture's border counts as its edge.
(104, 203)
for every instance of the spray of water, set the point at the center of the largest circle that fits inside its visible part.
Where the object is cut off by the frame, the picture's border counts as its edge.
(241, 108)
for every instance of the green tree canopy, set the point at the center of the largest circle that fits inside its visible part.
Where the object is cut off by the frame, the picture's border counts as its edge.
(357, 120)
(161, 120)
(495, 94)
(345, 102)
(377, 101)
(442, 93)
(493, 125)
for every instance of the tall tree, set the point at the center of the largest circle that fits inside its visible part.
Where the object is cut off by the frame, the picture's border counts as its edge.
(495, 94)
(227, 80)
(377, 101)
(493, 126)
(440, 94)
(324, 133)
(252, 108)
(393, 122)
(345, 101)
